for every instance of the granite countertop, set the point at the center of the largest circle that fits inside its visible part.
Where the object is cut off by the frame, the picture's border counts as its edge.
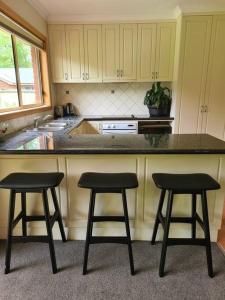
(62, 142)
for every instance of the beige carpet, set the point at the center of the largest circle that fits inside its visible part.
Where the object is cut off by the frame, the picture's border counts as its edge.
(109, 276)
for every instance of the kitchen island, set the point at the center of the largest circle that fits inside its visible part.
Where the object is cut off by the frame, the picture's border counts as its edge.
(141, 154)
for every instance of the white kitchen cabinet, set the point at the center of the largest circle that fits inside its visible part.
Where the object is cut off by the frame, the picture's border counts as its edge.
(156, 49)
(192, 75)
(111, 52)
(128, 52)
(57, 41)
(75, 52)
(119, 52)
(146, 52)
(214, 121)
(165, 51)
(93, 53)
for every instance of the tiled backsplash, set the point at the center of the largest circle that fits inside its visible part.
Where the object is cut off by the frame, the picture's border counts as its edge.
(104, 98)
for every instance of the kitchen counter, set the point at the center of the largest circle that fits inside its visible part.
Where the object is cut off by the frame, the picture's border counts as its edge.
(140, 154)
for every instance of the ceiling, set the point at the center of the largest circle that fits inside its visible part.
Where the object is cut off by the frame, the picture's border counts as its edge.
(103, 10)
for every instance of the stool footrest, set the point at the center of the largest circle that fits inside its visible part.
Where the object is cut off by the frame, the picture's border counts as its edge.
(34, 238)
(35, 218)
(108, 218)
(108, 239)
(185, 241)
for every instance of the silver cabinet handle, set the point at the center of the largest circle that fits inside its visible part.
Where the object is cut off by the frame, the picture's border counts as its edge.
(206, 108)
(87, 76)
(121, 73)
(118, 73)
(66, 76)
(153, 75)
(83, 75)
(156, 75)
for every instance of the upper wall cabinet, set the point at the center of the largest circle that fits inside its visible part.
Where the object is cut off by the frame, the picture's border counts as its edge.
(57, 41)
(156, 48)
(112, 52)
(119, 52)
(76, 54)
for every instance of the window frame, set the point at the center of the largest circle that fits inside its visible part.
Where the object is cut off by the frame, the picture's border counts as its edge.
(43, 69)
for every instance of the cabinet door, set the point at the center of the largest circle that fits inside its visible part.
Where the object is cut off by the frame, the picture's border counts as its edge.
(75, 52)
(93, 53)
(165, 51)
(128, 52)
(111, 52)
(146, 52)
(215, 94)
(57, 41)
(195, 44)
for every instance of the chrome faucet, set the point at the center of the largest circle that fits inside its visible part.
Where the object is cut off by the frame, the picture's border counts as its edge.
(40, 118)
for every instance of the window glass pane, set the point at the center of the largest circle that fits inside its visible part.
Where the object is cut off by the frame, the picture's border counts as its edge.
(8, 87)
(28, 66)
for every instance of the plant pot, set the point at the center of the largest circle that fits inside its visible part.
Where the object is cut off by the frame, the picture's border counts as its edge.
(159, 111)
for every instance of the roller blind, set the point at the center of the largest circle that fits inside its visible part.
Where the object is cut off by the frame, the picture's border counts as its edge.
(16, 29)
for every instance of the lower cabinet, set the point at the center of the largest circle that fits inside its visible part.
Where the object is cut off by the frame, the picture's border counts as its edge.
(142, 202)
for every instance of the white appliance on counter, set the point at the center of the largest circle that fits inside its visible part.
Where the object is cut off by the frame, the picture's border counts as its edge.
(120, 127)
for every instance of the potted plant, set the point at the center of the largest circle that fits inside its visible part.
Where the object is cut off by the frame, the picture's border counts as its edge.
(158, 100)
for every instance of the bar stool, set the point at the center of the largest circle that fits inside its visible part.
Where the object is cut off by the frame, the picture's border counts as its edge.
(107, 183)
(192, 184)
(24, 183)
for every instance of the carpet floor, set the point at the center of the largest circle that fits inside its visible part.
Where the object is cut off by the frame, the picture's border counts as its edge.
(109, 274)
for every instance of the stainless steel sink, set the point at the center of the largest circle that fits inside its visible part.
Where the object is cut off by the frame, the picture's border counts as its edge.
(48, 127)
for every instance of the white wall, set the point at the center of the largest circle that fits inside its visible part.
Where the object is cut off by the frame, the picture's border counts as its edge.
(26, 11)
(105, 98)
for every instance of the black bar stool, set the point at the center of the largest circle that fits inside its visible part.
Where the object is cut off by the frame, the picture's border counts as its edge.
(192, 184)
(107, 183)
(23, 183)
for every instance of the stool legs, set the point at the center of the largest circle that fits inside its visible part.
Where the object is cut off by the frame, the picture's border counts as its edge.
(24, 213)
(157, 221)
(89, 231)
(10, 230)
(166, 233)
(49, 231)
(128, 231)
(59, 219)
(193, 213)
(207, 233)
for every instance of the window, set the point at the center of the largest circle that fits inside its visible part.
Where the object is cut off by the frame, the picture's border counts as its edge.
(20, 73)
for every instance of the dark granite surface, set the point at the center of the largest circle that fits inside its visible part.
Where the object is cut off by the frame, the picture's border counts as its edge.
(62, 142)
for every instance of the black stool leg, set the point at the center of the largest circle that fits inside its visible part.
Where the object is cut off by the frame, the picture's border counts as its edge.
(166, 233)
(207, 233)
(10, 230)
(49, 231)
(193, 212)
(89, 230)
(24, 213)
(128, 231)
(159, 210)
(56, 205)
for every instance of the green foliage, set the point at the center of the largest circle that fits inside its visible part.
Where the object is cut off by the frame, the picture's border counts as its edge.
(6, 52)
(158, 96)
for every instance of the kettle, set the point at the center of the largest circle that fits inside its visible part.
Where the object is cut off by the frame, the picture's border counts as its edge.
(68, 110)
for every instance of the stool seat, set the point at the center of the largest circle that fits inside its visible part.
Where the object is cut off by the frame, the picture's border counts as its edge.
(106, 181)
(187, 183)
(31, 180)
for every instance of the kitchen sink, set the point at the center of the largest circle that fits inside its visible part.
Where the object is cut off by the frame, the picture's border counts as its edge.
(48, 127)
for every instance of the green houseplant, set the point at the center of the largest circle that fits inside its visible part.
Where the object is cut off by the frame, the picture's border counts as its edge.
(158, 100)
